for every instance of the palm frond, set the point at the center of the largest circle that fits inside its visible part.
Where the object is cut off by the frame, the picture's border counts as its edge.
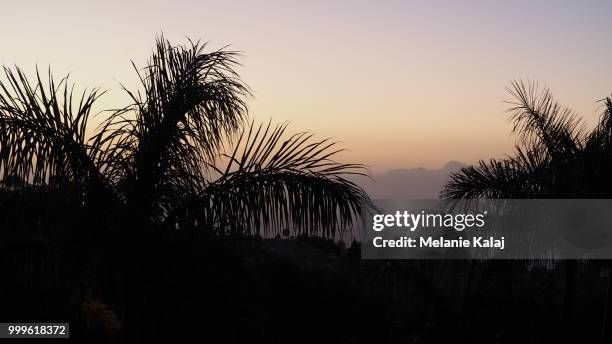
(600, 139)
(43, 131)
(555, 157)
(191, 101)
(271, 183)
(523, 176)
(539, 120)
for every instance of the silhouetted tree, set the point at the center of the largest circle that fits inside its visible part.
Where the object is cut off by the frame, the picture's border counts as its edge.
(162, 160)
(555, 158)
(182, 157)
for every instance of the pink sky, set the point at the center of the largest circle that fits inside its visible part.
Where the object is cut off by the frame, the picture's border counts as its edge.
(402, 83)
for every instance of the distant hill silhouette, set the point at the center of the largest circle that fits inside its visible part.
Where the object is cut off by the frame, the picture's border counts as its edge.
(414, 183)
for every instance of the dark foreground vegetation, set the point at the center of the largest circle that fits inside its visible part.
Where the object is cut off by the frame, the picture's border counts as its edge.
(160, 225)
(194, 287)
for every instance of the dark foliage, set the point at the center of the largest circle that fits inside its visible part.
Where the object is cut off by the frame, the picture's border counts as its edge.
(555, 156)
(159, 159)
(90, 217)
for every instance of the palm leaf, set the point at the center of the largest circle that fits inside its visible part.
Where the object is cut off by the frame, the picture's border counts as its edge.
(270, 184)
(539, 120)
(43, 131)
(191, 101)
(547, 159)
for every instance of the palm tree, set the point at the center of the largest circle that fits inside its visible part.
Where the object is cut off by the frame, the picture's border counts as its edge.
(166, 160)
(182, 159)
(555, 158)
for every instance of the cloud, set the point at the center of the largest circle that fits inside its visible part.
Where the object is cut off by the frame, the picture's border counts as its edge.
(415, 183)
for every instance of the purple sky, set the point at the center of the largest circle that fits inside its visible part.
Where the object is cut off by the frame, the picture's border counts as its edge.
(402, 84)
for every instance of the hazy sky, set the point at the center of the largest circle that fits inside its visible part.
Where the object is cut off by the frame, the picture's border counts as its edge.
(401, 83)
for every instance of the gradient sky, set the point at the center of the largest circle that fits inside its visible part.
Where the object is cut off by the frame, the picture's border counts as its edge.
(400, 83)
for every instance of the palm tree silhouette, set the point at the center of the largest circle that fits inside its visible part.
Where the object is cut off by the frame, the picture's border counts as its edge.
(556, 157)
(165, 159)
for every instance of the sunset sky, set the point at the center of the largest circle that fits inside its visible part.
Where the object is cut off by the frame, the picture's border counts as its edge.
(401, 83)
